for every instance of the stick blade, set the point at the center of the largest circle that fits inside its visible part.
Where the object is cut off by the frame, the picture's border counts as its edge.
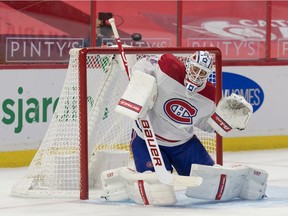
(187, 181)
(166, 177)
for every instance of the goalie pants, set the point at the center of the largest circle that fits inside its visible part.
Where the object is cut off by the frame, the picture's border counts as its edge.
(180, 157)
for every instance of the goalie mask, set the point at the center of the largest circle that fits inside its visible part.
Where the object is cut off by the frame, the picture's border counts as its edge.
(198, 69)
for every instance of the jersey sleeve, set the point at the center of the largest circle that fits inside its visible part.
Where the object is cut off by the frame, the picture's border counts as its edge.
(203, 124)
(209, 91)
(172, 67)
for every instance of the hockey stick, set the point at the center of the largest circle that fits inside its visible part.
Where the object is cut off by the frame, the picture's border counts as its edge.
(163, 175)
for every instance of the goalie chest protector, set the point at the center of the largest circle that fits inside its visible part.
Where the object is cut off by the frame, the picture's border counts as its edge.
(174, 112)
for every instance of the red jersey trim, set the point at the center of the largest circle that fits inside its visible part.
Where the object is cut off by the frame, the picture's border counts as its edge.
(166, 140)
(209, 91)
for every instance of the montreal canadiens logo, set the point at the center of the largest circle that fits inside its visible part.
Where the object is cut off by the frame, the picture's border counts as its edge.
(180, 111)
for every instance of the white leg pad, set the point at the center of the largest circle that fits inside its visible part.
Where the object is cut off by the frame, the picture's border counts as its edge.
(105, 160)
(254, 185)
(143, 188)
(218, 183)
(113, 185)
(157, 194)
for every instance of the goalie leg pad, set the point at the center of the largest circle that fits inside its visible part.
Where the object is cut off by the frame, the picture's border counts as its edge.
(105, 160)
(158, 194)
(113, 185)
(219, 183)
(254, 185)
(143, 188)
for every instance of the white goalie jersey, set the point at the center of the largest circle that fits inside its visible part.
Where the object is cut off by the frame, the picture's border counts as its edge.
(175, 112)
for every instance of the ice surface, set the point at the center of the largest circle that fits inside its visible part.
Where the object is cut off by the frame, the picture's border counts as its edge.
(275, 162)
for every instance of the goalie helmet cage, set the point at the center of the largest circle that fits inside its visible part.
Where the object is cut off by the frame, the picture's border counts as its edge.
(85, 122)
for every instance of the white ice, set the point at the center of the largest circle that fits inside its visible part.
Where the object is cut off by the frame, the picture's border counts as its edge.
(275, 162)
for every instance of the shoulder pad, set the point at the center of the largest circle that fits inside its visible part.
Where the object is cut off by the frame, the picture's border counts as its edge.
(171, 66)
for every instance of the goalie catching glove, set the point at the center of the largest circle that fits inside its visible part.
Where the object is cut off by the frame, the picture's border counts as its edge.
(232, 112)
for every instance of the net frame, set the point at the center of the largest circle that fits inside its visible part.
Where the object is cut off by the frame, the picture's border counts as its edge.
(60, 167)
(83, 118)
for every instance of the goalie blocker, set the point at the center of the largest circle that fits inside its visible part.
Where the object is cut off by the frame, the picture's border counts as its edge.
(139, 96)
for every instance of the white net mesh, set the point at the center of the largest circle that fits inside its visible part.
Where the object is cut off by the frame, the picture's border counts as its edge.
(55, 169)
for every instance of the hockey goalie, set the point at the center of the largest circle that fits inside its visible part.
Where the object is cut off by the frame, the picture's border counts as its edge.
(178, 97)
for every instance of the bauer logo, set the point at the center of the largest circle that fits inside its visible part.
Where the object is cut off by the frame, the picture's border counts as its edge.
(241, 85)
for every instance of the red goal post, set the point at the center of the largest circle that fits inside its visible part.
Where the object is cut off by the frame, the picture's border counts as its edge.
(84, 121)
(140, 51)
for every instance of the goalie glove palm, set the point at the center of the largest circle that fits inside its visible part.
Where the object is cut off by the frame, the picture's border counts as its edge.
(232, 112)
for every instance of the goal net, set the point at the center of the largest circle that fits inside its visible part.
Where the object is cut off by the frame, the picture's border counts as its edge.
(85, 123)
